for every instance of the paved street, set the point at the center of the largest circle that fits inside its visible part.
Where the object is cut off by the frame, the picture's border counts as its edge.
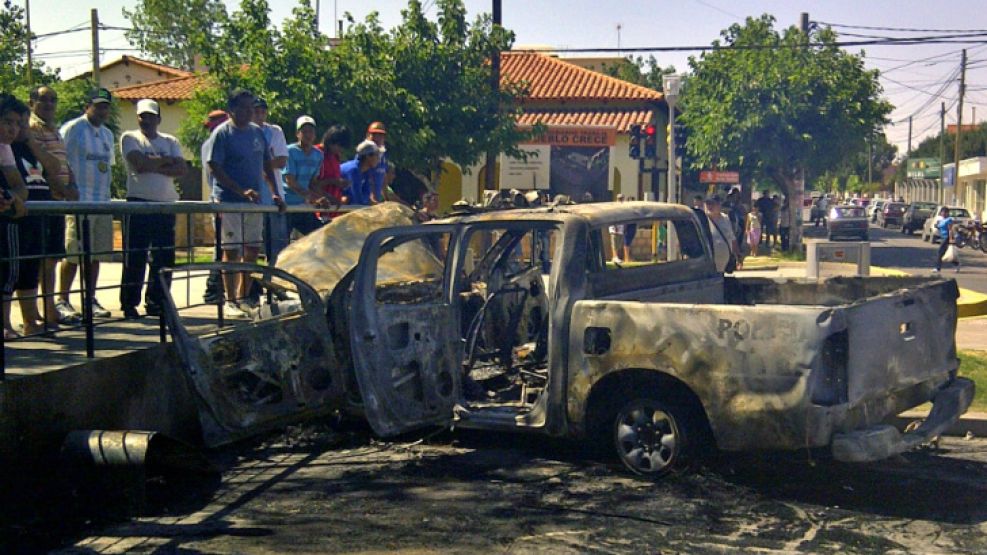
(891, 249)
(470, 492)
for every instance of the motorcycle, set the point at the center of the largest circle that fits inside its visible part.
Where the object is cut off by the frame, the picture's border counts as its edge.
(971, 234)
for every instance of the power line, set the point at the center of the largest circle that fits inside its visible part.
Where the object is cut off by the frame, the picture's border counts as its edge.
(717, 8)
(899, 29)
(891, 41)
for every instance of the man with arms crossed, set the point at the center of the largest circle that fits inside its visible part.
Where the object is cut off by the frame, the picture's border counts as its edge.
(153, 162)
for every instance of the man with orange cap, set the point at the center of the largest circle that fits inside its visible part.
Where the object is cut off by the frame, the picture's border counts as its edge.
(377, 133)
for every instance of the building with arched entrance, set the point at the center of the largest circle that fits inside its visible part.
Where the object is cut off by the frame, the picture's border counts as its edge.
(586, 147)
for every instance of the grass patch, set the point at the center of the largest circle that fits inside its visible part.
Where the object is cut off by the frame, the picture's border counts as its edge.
(973, 365)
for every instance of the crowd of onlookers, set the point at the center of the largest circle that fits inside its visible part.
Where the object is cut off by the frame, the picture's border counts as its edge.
(738, 231)
(245, 158)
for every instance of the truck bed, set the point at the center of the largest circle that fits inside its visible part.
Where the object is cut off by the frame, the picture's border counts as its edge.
(788, 363)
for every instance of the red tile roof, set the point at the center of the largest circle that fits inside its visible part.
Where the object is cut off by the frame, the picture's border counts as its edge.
(176, 89)
(618, 118)
(549, 78)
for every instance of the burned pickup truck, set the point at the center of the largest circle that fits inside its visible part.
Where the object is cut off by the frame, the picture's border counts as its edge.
(515, 321)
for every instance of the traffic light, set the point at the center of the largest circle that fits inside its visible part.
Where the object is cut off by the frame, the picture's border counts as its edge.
(650, 141)
(635, 141)
(680, 138)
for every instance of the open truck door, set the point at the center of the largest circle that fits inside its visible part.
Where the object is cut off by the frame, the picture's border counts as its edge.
(405, 330)
(256, 375)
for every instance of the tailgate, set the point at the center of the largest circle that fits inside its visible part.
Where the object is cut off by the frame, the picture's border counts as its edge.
(901, 338)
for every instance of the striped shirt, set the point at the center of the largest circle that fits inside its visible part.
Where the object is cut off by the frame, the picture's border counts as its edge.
(90, 154)
(52, 141)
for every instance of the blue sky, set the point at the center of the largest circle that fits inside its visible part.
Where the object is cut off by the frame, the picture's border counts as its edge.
(915, 88)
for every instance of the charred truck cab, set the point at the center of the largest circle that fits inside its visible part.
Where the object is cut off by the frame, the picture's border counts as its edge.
(517, 321)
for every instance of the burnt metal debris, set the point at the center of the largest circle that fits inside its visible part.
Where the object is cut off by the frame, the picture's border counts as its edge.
(513, 320)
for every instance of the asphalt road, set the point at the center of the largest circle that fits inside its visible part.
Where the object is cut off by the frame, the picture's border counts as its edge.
(481, 493)
(891, 249)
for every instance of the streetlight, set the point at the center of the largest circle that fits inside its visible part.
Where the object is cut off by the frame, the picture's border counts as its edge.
(671, 84)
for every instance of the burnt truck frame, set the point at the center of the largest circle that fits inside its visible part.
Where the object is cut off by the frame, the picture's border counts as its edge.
(521, 324)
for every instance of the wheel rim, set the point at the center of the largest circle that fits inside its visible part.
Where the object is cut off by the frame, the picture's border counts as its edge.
(647, 438)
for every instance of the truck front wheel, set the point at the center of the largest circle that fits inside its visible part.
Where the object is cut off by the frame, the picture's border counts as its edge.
(653, 437)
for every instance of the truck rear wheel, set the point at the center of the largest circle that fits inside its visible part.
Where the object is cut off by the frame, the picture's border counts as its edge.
(653, 437)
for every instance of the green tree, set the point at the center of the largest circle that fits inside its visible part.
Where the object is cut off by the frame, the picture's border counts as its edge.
(173, 32)
(973, 142)
(428, 80)
(769, 103)
(645, 72)
(13, 53)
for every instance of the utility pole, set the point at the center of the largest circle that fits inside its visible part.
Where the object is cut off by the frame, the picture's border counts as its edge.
(798, 189)
(490, 173)
(619, 27)
(30, 64)
(941, 197)
(318, 4)
(909, 151)
(959, 127)
(94, 23)
(870, 158)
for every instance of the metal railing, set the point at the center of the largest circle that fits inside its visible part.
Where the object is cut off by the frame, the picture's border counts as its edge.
(83, 210)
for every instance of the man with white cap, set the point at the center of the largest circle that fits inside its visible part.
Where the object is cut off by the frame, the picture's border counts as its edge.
(304, 162)
(153, 161)
(361, 172)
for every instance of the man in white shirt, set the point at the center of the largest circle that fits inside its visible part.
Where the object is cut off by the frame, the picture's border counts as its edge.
(89, 149)
(277, 227)
(153, 162)
(724, 240)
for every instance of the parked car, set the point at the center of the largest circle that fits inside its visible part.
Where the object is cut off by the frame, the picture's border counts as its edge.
(873, 209)
(848, 220)
(915, 216)
(929, 231)
(514, 321)
(890, 214)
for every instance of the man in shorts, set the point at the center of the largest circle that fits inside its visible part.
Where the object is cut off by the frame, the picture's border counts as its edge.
(43, 103)
(241, 165)
(89, 149)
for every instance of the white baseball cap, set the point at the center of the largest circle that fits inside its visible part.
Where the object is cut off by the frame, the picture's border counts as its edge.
(304, 120)
(148, 106)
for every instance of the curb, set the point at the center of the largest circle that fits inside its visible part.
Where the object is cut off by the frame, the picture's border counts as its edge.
(970, 304)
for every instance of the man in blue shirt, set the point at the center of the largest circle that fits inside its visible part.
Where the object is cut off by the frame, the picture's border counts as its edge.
(944, 223)
(304, 162)
(242, 170)
(360, 172)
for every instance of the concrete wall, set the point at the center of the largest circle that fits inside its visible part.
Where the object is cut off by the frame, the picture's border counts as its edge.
(142, 390)
(127, 74)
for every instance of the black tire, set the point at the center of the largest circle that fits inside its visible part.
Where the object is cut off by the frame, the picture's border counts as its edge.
(653, 437)
(830, 237)
(865, 237)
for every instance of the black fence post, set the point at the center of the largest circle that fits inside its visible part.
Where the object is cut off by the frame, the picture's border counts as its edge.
(218, 227)
(88, 289)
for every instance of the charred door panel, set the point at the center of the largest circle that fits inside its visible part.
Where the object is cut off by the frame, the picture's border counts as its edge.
(260, 374)
(405, 330)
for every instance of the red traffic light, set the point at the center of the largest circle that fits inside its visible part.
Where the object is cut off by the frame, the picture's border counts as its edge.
(650, 130)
